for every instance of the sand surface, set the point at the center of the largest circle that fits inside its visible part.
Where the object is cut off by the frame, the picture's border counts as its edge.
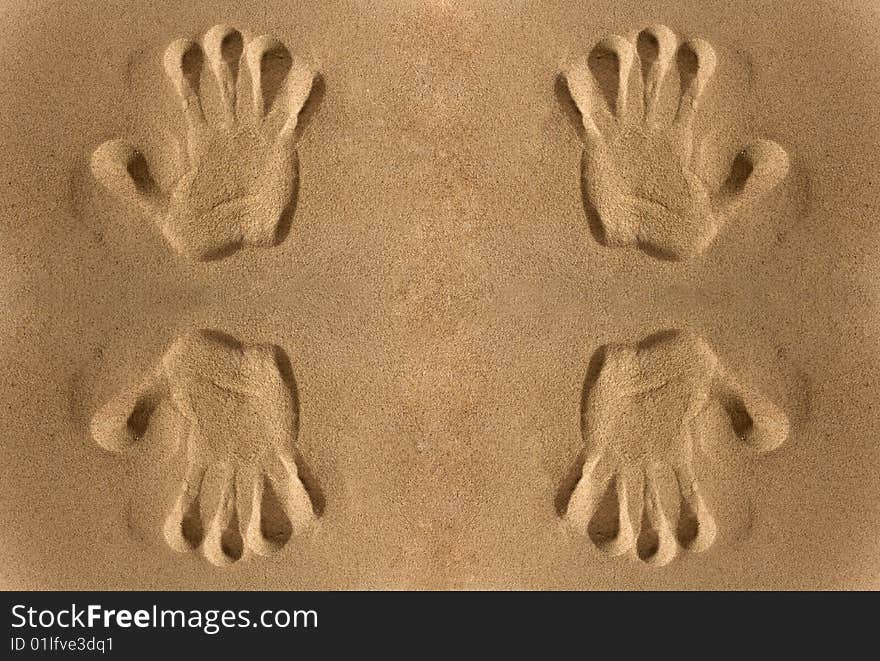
(470, 295)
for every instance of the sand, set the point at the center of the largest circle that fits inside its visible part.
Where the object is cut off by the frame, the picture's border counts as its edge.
(439, 295)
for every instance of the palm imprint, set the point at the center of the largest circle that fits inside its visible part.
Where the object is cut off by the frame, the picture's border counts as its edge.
(240, 173)
(642, 418)
(641, 176)
(235, 422)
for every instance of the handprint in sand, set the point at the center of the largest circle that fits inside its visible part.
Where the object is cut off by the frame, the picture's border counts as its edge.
(641, 175)
(643, 422)
(238, 180)
(235, 418)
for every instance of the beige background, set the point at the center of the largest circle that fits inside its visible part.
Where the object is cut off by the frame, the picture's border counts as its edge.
(440, 294)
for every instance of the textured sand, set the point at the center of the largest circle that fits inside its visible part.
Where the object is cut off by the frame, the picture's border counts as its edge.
(438, 335)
